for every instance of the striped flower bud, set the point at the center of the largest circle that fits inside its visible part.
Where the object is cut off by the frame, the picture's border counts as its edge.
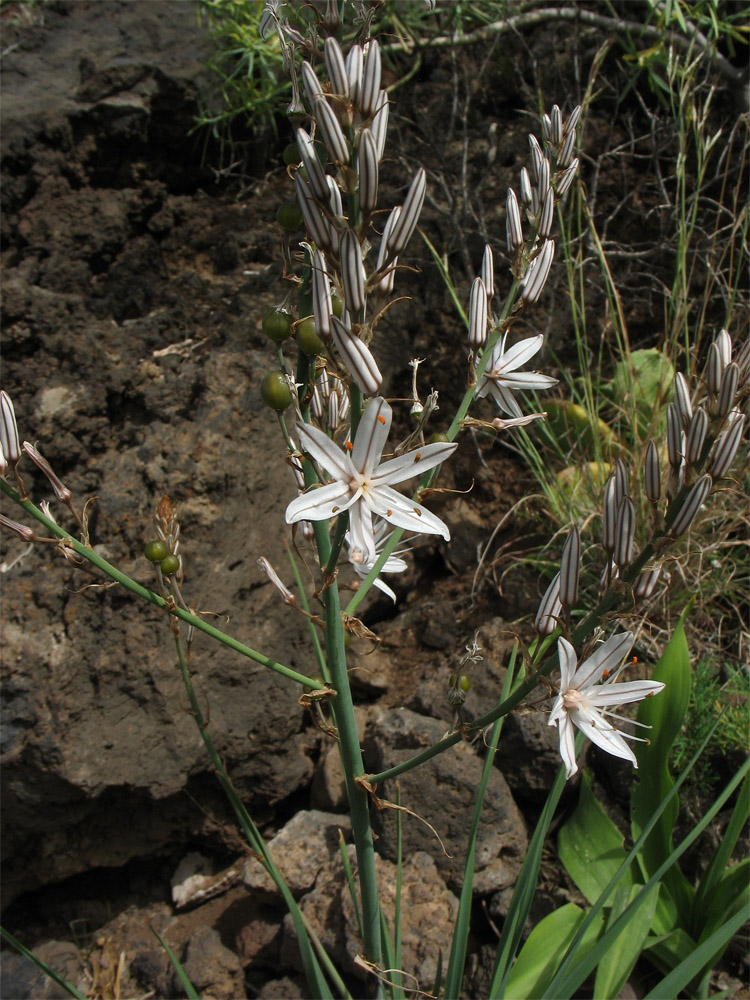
(556, 126)
(570, 124)
(487, 272)
(3, 463)
(652, 473)
(714, 369)
(321, 295)
(696, 436)
(354, 72)
(565, 156)
(548, 616)
(692, 504)
(379, 126)
(368, 172)
(536, 157)
(724, 345)
(410, 210)
(682, 400)
(547, 127)
(334, 199)
(336, 67)
(645, 584)
(513, 229)
(537, 273)
(622, 488)
(311, 83)
(316, 175)
(357, 357)
(545, 217)
(328, 123)
(27, 534)
(62, 492)
(542, 184)
(730, 380)
(566, 178)
(319, 401)
(368, 96)
(675, 436)
(352, 271)
(318, 227)
(526, 196)
(624, 532)
(609, 516)
(570, 568)
(726, 447)
(478, 316)
(385, 285)
(9, 443)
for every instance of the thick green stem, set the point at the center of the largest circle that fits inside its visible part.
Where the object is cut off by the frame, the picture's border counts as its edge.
(148, 595)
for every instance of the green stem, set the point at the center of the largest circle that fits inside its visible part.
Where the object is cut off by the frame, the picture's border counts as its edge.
(148, 595)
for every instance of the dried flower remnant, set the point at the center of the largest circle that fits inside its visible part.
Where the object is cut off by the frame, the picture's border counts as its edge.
(585, 703)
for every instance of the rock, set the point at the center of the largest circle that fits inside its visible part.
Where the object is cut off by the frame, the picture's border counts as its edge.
(328, 787)
(214, 970)
(300, 850)
(441, 792)
(284, 989)
(258, 940)
(19, 977)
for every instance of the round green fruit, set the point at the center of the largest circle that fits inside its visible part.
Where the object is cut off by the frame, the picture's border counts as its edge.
(169, 565)
(277, 324)
(155, 550)
(307, 338)
(439, 438)
(289, 215)
(337, 306)
(275, 391)
(291, 154)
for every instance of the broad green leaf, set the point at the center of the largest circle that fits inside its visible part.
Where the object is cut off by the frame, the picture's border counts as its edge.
(665, 713)
(590, 845)
(729, 896)
(618, 961)
(543, 950)
(640, 385)
(718, 865)
(669, 950)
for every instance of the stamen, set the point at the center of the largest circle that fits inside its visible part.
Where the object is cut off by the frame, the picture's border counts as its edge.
(381, 418)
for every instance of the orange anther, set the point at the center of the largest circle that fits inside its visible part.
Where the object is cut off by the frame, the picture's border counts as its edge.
(381, 418)
(418, 456)
(334, 509)
(389, 513)
(348, 446)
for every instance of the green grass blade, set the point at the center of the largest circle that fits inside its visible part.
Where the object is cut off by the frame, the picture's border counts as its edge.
(190, 990)
(687, 970)
(350, 880)
(457, 959)
(41, 964)
(622, 955)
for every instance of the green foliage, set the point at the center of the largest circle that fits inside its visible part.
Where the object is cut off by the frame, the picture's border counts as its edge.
(708, 697)
(675, 921)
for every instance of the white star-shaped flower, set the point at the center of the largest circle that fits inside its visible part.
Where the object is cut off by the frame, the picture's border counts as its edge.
(584, 702)
(361, 484)
(362, 564)
(501, 376)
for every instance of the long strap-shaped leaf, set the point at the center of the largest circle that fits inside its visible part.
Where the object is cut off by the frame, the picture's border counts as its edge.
(567, 980)
(678, 978)
(455, 970)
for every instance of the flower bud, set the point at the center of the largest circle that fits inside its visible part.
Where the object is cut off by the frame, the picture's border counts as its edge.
(487, 273)
(316, 175)
(62, 492)
(526, 196)
(537, 273)
(368, 97)
(352, 271)
(646, 582)
(410, 210)
(336, 67)
(27, 534)
(542, 184)
(354, 72)
(368, 172)
(536, 157)
(9, 443)
(311, 83)
(548, 616)
(652, 473)
(726, 447)
(556, 126)
(714, 369)
(624, 532)
(545, 217)
(691, 505)
(319, 229)
(379, 126)
(570, 568)
(565, 156)
(328, 123)
(321, 295)
(513, 229)
(357, 357)
(565, 179)
(727, 389)
(478, 316)
(385, 285)
(696, 436)
(570, 124)
(675, 436)
(682, 400)
(609, 515)
(724, 344)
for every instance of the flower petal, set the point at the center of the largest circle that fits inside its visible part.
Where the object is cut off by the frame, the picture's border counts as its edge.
(518, 354)
(413, 463)
(526, 381)
(568, 662)
(361, 533)
(623, 694)
(568, 746)
(405, 513)
(318, 504)
(505, 399)
(372, 433)
(603, 734)
(326, 452)
(606, 657)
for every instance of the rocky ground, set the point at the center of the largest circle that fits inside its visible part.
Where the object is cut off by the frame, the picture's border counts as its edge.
(136, 272)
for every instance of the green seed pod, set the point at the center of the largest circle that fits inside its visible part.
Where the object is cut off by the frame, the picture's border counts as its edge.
(275, 392)
(307, 338)
(169, 565)
(155, 550)
(289, 215)
(464, 682)
(337, 306)
(276, 324)
(291, 154)
(439, 438)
